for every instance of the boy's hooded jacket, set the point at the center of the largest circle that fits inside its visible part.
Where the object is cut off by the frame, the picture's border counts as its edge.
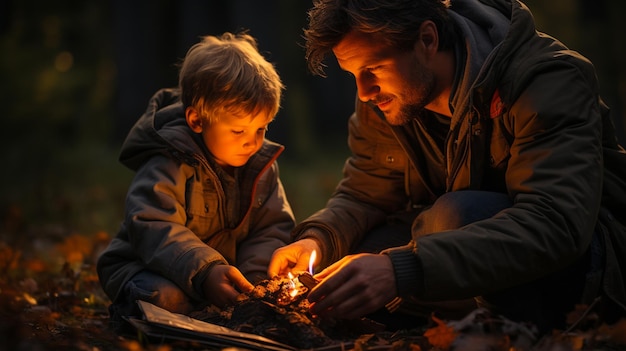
(527, 121)
(175, 221)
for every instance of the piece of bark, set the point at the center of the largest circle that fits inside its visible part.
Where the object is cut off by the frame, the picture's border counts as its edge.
(307, 280)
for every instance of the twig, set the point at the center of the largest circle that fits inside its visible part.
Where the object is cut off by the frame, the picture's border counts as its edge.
(583, 316)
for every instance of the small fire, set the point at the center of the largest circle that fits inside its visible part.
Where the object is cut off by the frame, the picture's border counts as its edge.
(293, 289)
(312, 261)
(294, 286)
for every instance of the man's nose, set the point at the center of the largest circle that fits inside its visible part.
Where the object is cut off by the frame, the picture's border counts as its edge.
(366, 87)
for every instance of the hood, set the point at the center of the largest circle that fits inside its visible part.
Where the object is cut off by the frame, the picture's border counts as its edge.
(162, 129)
(484, 26)
(517, 50)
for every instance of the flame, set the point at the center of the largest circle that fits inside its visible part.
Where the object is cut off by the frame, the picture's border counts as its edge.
(312, 261)
(293, 290)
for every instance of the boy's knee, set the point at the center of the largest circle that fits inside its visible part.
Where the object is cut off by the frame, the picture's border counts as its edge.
(173, 299)
(156, 290)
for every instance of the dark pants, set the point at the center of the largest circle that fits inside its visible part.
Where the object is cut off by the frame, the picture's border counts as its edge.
(153, 288)
(544, 302)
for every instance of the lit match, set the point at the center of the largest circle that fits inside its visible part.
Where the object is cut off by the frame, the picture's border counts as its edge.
(306, 278)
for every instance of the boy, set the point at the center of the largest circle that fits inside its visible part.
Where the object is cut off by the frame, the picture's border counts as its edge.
(206, 207)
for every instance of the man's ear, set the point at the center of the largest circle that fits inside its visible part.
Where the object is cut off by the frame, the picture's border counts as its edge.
(429, 38)
(194, 120)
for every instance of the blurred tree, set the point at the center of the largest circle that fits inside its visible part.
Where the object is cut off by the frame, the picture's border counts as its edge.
(84, 70)
(76, 73)
(56, 72)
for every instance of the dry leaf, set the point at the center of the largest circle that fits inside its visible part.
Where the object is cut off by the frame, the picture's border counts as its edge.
(615, 333)
(75, 248)
(442, 335)
(8, 257)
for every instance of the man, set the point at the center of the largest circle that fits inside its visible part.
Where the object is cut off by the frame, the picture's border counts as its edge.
(481, 143)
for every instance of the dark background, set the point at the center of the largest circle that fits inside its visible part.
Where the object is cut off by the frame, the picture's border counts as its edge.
(76, 74)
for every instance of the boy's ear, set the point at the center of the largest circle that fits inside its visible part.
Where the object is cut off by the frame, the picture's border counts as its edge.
(194, 120)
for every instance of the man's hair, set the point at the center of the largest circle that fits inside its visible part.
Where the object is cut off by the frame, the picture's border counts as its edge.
(396, 22)
(227, 74)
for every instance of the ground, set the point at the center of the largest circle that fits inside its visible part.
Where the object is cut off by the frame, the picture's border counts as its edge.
(50, 299)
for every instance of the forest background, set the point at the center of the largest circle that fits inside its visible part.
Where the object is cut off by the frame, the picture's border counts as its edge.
(75, 75)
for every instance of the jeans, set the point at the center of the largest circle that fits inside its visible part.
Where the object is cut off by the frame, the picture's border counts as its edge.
(152, 288)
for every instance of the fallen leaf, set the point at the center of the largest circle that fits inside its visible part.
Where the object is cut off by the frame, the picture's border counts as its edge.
(442, 335)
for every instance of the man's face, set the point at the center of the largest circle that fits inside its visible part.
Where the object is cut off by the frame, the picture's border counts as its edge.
(393, 80)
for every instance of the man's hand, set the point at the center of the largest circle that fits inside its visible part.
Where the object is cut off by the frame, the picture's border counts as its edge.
(224, 284)
(354, 287)
(292, 258)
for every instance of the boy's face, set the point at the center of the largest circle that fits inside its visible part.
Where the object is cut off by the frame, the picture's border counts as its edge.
(233, 140)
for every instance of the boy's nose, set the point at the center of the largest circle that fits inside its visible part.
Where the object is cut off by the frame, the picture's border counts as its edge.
(251, 142)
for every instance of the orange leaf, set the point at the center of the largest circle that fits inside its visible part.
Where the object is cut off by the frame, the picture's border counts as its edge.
(440, 336)
(75, 248)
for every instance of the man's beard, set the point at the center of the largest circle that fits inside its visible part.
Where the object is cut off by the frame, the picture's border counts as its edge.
(417, 96)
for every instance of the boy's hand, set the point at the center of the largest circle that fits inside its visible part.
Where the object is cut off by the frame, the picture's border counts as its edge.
(224, 284)
(292, 258)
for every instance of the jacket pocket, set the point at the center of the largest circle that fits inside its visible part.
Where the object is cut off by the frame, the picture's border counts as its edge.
(390, 156)
(203, 213)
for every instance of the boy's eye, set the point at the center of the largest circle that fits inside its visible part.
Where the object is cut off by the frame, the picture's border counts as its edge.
(261, 130)
(237, 132)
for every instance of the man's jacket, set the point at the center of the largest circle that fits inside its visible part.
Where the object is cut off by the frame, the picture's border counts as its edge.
(527, 121)
(175, 218)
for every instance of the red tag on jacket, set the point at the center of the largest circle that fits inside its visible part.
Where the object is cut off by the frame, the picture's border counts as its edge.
(496, 105)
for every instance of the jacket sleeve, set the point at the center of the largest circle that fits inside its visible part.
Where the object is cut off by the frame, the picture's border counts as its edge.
(155, 221)
(554, 177)
(271, 223)
(372, 187)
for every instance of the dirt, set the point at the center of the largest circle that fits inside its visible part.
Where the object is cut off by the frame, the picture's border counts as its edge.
(50, 299)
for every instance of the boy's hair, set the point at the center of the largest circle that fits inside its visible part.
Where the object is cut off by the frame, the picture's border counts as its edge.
(395, 22)
(227, 74)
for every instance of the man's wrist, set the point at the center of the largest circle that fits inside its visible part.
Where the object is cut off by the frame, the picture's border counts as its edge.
(407, 269)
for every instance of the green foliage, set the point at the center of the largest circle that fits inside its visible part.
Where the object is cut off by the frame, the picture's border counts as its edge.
(57, 73)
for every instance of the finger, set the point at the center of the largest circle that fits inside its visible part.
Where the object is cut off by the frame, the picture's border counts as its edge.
(332, 268)
(277, 267)
(344, 292)
(359, 295)
(279, 264)
(229, 295)
(331, 279)
(301, 265)
(237, 278)
(327, 304)
(355, 305)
